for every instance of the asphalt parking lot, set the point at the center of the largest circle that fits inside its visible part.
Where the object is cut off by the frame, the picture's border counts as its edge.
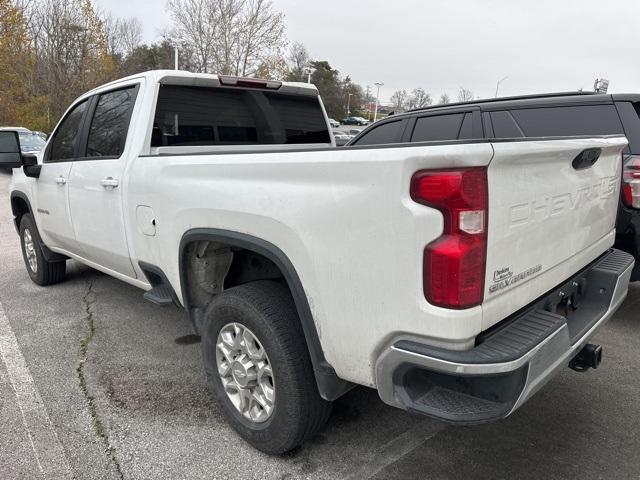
(95, 383)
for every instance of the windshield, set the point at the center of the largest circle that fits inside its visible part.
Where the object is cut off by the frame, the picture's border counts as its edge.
(31, 142)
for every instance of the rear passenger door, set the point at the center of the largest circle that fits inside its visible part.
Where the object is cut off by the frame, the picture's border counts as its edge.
(96, 182)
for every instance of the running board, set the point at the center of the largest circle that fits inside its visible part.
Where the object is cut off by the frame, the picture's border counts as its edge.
(160, 295)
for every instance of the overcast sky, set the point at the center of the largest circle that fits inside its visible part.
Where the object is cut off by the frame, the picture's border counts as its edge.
(440, 45)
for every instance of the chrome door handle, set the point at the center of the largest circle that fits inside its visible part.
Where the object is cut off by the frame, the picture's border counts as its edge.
(60, 180)
(109, 182)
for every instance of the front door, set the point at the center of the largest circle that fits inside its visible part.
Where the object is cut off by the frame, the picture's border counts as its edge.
(96, 183)
(52, 187)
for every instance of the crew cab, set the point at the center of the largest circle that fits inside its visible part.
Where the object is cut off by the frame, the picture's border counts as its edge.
(454, 277)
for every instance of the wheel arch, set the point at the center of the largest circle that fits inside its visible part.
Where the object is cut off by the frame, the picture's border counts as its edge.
(19, 206)
(329, 384)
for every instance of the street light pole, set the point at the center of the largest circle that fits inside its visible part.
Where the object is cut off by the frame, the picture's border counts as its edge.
(375, 114)
(367, 97)
(175, 51)
(498, 85)
(349, 104)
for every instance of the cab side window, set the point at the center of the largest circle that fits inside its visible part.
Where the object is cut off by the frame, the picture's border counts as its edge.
(66, 136)
(436, 128)
(389, 132)
(108, 131)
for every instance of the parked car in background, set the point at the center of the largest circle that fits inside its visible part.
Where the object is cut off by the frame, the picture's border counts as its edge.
(341, 137)
(30, 142)
(334, 123)
(355, 121)
(533, 116)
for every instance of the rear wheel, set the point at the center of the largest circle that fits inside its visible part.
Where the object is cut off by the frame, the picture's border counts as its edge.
(39, 269)
(259, 369)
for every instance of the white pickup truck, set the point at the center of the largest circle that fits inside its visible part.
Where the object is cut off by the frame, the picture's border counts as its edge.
(454, 277)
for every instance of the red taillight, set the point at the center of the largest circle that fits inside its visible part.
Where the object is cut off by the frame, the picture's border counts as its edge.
(631, 181)
(454, 264)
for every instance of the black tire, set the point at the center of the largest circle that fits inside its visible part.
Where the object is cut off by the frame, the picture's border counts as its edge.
(45, 272)
(267, 309)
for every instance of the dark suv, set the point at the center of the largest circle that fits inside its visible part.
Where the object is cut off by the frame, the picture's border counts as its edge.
(549, 115)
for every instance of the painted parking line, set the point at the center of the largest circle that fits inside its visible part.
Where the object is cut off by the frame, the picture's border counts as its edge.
(46, 446)
(398, 448)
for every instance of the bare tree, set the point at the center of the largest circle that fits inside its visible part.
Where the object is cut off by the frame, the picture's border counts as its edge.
(419, 99)
(399, 99)
(298, 60)
(27, 7)
(72, 52)
(114, 42)
(195, 26)
(123, 35)
(228, 36)
(444, 99)
(263, 35)
(465, 95)
(130, 30)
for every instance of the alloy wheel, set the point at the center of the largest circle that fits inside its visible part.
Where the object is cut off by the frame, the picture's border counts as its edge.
(245, 372)
(30, 250)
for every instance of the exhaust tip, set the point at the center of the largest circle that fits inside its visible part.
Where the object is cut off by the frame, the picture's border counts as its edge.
(589, 357)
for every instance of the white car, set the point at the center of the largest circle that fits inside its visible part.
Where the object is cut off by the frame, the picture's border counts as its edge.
(454, 277)
(341, 137)
(334, 123)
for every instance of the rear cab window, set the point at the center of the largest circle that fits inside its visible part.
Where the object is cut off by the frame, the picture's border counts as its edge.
(199, 116)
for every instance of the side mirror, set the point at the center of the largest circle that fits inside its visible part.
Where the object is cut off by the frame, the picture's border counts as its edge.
(30, 166)
(10, 156)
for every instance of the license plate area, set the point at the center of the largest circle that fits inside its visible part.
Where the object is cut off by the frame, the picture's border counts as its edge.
(567, 299)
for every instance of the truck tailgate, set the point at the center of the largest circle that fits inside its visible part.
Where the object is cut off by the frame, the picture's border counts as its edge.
(551, 212)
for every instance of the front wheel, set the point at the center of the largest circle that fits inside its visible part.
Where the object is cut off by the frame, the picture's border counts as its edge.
(259, 369)
(39, 269)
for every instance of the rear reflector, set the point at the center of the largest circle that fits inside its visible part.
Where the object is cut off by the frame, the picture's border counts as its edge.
(249, 82)
(631, 181)
(454, 264)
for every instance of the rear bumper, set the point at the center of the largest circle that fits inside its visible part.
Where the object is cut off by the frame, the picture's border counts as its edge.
(511, 362)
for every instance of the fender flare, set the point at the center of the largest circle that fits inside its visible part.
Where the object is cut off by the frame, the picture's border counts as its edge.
(21, 196)
(330, 386)
(48, 254)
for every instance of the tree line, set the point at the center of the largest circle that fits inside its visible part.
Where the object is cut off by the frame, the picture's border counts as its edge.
(401, 100)
(51, 51)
